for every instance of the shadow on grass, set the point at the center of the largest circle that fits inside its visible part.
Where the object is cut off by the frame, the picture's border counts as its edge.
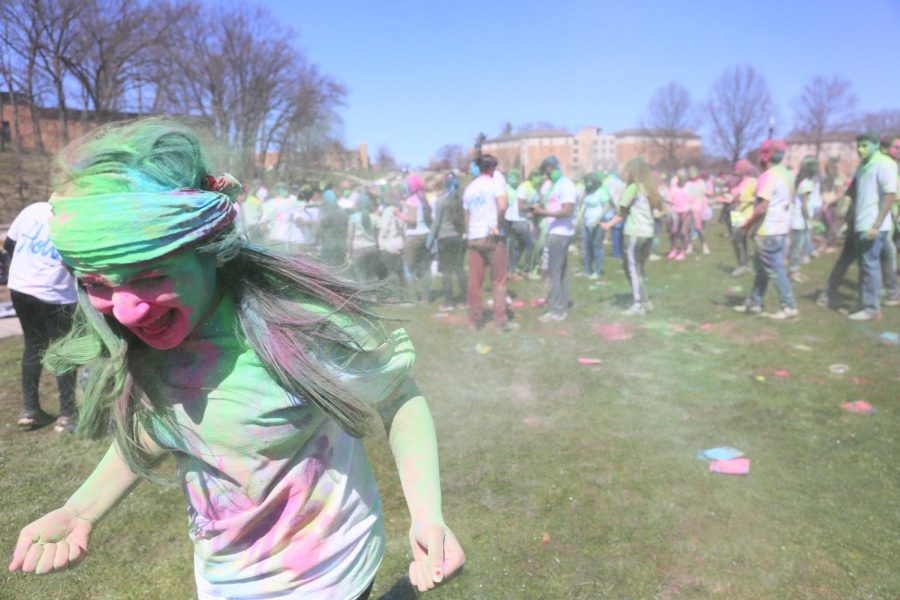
(401, 590)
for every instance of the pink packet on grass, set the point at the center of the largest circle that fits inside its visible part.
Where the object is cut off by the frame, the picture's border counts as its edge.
(734, 466)
(860, 407)
(517, 304)
(589, 361)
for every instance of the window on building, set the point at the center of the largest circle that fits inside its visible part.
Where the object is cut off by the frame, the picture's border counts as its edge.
(5, 132)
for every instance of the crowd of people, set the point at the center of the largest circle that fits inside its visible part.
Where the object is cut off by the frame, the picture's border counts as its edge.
(524, 225)
(171, 287)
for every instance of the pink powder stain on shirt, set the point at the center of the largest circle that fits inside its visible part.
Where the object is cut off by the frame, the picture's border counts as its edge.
(613, 332)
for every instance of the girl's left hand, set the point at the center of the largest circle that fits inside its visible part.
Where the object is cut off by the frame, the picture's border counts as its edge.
(437, 555)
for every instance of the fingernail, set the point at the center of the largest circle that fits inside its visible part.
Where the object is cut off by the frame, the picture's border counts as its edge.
(438, 576)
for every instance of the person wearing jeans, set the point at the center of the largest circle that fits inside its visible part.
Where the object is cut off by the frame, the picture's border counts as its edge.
(596, 203)
(768, 263)
(560, 211)
(874, 190)
(774, 193)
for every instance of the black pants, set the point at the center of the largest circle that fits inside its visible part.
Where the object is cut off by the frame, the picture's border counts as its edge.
(43, 323)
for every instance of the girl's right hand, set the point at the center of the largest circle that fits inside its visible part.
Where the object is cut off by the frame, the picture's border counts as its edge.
(55, 542)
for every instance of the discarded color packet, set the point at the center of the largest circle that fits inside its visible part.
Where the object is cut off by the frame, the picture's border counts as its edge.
(482, 348)
(517, 304)
(838, 368)
(589, 361)
(860, 407)
(735, 466)
(782, 373)
(890, 337)
(720, 453)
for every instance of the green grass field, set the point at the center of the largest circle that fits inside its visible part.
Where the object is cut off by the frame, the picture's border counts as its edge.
(571, 481)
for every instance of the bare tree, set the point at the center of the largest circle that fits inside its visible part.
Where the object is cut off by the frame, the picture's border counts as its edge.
(825, 105)
(884, 121)
(118, 41)
(739, 109)
(384, 158)
(670, 116)
(249, 81)
(22, 37)
(7, 71)
(58, 23)
(448, 157)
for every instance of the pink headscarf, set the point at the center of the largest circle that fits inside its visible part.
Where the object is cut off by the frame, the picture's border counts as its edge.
(415, 184)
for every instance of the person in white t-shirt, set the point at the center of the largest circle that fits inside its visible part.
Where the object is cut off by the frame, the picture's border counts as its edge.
(43, 294)
(484, 202)
(774, 194)
(560, 213)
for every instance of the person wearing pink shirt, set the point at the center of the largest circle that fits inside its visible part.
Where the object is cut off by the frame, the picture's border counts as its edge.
(681, 215)
(416, 256)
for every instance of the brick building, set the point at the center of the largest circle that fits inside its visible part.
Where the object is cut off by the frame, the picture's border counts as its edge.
(839, 145)
(48, 121)
(587, 150)
(650, 145)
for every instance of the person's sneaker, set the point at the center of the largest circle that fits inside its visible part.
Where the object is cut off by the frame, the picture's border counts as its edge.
(805, 260)
(785, 314)
(594, 276)
(865, 315)
(891, 302)
(508, 326)
(740, 270)
(750, 309)
(634, 310)
(672, 254)
(552, 316)
(797, 277)
(705, 249)
(689, 249)
(65, 425)
(34, 420)
(680, 256)
(823, 300)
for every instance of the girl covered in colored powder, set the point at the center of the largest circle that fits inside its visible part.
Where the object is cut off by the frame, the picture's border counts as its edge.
(680, 204)
(259, 372)
(639, 206)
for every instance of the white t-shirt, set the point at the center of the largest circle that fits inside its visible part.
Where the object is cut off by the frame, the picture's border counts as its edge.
(805, 187)
(562, 192)
(36, 268)
(874, 179)
(480, 202)
(777, 186)
(279, 214)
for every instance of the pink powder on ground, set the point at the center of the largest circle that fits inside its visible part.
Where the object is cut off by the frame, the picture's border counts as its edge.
(613, 332)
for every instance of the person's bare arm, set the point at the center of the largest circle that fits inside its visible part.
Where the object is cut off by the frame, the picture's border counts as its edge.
(59, 539)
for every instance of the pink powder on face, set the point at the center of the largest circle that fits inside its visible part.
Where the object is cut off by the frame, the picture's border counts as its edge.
(613, 332)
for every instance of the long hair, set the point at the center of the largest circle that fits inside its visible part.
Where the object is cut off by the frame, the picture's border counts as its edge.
(638, 172)
(809, 169)
(274, 295)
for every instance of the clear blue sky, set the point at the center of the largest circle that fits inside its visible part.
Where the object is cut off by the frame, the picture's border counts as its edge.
(424, 74)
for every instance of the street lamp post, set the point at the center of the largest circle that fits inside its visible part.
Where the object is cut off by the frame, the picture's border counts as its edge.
(771, 126)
